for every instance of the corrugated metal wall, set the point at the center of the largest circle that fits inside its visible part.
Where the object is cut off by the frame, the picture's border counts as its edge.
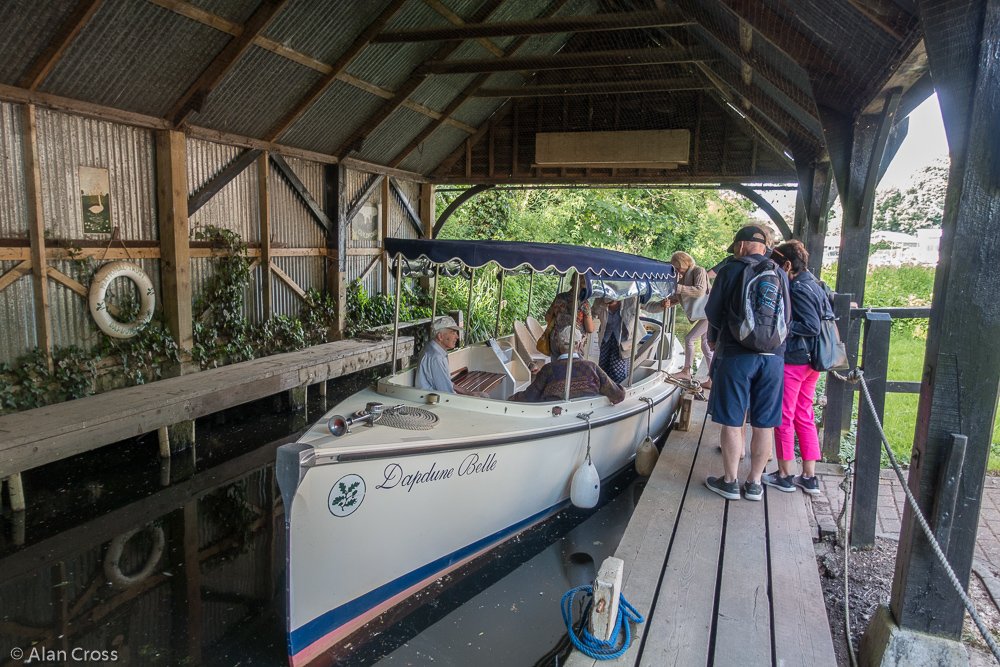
(399, 225)
(364, 230)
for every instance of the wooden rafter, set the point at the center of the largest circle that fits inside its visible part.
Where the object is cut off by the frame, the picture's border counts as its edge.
(222, 179)
(579, 60)
(336, 70)
(354, 142)
(67, 32)
(885, 22)
(594, 88)
(454, 105)
(455, 19)
(541, 26)
(195, 97)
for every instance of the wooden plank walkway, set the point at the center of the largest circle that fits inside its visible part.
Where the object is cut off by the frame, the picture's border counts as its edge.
(719, 582)
(36, 437)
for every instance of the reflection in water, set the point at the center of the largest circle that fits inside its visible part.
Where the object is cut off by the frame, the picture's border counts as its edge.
(181, 562)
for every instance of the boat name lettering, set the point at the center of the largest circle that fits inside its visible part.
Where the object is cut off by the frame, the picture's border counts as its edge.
(394, 476)
(471, 464)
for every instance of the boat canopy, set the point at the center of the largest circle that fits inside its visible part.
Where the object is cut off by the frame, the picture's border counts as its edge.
(512, 255)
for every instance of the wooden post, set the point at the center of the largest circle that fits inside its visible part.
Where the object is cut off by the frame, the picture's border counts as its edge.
(15, 489)
(839, 395)
(335, 205)
(812, 208)
(958, 393)
(186, 589)
(607, 593)
(427, 219)
(943, 516)
(384, 227)
(36, 230)
(868, 449)
(263, 199)
(684, 415)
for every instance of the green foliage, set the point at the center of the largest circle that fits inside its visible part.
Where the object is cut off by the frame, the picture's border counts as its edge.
(28, 382)
(220, 330)
(904, 286)
(366, 311)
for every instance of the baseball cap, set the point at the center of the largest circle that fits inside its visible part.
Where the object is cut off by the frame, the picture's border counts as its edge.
(750, 233)
(443, 324)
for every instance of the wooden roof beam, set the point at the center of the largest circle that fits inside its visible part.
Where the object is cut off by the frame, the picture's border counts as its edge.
(540, 26)
(454, 105)
(662, 56)
(359, 45)
(355, 141)
(195, 97)
(595, 88)
(894, 25)
(67, 32)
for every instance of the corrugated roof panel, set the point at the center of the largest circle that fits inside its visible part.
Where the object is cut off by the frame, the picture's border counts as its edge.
(332, 118)
(439, 91)
(256, 93)
(237, 11)
(135, 56)
(13, 199)
(476, 110)
(322, 31)
(393, 135)
(430, 154)
(390, 65)
(416, 15)
(26, 28)
(68, 142)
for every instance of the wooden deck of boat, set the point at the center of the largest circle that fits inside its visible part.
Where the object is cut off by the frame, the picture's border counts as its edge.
(33, 438)
(719, 582)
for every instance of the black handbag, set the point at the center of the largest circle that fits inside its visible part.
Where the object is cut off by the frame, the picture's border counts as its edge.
(827, 352)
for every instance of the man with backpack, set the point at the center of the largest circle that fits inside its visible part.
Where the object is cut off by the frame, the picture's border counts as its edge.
(748, 312)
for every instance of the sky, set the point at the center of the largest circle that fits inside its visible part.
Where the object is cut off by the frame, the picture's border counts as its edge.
(924, 143)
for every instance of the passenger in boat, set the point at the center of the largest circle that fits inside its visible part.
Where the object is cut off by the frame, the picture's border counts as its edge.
(800, 379)
(587, 378)
(743, 378)
(561, 311)
(616, 334)
(692, 284)
(434, 373)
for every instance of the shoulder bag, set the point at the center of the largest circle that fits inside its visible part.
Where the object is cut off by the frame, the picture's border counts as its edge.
(695, 308)
(827, 352)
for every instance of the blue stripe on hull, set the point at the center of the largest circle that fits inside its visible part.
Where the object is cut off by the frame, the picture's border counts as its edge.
(321, 626)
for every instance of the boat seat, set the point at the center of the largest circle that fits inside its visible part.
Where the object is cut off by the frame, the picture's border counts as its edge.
(455, 373)
(534, 327)
(483, 381)
(526, 347)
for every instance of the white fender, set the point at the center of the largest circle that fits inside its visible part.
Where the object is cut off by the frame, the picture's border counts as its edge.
(645, 458)
(99, 289)
(586, 486)
(114, 574)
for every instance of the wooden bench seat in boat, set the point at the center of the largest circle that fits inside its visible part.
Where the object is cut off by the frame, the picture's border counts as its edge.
(483, 381)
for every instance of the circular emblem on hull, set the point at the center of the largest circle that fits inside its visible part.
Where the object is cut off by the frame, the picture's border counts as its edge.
(346, 495)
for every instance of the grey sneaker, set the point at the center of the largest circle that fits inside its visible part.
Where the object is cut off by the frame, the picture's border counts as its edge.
(776, 481)
(752, 490)
(809, 484)
(728, 490)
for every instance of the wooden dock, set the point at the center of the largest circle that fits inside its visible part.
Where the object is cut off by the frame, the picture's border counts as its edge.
(37, 437)
(719, 582)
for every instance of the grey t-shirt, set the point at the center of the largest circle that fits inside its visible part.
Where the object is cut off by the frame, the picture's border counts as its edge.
(434, 372)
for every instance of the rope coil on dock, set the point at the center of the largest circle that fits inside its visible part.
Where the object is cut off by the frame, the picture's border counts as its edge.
(587, 643)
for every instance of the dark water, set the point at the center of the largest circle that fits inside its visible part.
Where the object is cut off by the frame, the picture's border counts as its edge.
(202, 581)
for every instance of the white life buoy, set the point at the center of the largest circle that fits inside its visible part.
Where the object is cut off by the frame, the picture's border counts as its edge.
(112, 571)
(99, 289)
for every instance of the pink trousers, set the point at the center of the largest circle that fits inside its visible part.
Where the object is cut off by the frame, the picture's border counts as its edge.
(797, 415)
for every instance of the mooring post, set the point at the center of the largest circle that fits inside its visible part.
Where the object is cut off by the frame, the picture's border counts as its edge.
(17, 528)
(16, 491)
(164, 436)
(607, 592)
(684, 413)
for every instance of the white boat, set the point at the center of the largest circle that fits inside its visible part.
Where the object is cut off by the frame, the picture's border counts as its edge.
(378, 513)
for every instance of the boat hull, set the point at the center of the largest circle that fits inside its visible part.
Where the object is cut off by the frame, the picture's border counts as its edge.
(367, 531)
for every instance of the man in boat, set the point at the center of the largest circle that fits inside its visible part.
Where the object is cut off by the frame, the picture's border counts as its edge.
(434, 373)
(743, 377)
(587, 378)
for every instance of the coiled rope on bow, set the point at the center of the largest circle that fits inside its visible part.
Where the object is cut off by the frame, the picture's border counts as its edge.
(587, 643)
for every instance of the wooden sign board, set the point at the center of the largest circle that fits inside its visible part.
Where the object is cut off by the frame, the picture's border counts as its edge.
(663, 149)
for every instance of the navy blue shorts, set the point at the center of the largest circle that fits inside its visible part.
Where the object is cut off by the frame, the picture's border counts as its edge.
(747, 381)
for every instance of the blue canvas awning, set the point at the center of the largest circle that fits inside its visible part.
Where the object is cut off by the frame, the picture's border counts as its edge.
(510, 255)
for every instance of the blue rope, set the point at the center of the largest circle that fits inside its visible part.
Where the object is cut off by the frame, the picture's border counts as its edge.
(587, 643)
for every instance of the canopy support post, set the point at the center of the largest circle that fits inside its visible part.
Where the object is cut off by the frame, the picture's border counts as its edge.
(663, 337)
(635, 341)
(395, 324)
(572, 335)
(468, 309)
(434, 299)
(531, 282)
(496, 325)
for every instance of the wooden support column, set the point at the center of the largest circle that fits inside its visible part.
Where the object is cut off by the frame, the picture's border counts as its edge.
(958, 393)
(856, 151)
(336, 205)
(384, 227)
(815, 179)
(263, 199)
(36, 230)
(839, 395)
(427, 221)
(186, 589)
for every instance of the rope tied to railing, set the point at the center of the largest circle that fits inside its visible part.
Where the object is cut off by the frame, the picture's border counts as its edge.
(856, 376)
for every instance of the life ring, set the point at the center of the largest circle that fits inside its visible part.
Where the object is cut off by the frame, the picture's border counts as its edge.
(114, 574)
(99, 289)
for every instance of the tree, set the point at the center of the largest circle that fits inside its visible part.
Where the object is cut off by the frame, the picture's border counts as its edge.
(918, 207)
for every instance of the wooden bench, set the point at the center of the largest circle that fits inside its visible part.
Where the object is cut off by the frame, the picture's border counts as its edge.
(483, 381)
